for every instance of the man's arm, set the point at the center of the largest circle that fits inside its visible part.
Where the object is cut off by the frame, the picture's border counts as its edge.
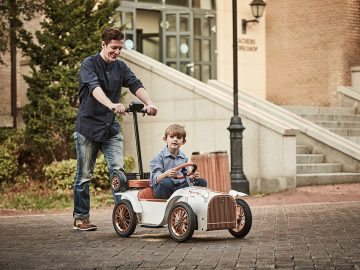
(145, 98)
(141, 93)
(100, 96)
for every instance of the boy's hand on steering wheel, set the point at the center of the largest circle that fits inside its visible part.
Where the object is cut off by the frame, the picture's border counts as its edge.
(171, 173)
(195, 176)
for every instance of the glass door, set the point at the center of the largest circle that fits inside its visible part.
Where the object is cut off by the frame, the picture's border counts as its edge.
(204, 47)
(125, 16)
(177, 39)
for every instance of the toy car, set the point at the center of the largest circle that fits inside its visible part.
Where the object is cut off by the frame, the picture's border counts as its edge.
(188, 209)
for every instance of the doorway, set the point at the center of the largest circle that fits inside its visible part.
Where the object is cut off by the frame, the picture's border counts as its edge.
(182, 38)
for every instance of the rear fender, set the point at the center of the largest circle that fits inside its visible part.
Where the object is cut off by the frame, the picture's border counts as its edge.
(132, 197)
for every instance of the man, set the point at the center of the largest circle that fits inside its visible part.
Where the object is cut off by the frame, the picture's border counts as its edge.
(101, 77)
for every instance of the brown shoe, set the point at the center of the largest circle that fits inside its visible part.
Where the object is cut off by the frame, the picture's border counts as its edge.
(84, 225)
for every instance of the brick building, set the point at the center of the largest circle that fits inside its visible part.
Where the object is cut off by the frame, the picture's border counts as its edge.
(310, 48)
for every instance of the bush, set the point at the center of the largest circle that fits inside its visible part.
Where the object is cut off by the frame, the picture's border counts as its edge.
(11, 147)
(8, 165)
(60, 175)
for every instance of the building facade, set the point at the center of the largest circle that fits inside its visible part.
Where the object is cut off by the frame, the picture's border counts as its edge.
(297, 54)
(310, 50)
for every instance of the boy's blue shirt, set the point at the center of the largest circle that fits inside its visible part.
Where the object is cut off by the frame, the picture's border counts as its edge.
(164, 161)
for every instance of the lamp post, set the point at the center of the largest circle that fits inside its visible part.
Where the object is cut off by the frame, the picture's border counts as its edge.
(239, 181)
(257, 9)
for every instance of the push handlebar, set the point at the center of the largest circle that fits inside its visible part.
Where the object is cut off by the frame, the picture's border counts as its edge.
(136, 107)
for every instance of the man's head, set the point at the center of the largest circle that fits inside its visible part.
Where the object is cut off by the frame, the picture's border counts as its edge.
(112, 43)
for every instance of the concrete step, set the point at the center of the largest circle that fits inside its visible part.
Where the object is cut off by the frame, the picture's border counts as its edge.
(346, 132)
(303, 149)
(312, 168)
(338, 124)
(319, 110)
(331, 117)
(326, 178)
(309, 158)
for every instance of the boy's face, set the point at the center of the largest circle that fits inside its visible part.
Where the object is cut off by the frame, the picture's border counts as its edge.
(174, 142)
(112, 50)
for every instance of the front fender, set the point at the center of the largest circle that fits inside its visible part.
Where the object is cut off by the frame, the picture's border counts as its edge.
(172, 201)
(237, 194)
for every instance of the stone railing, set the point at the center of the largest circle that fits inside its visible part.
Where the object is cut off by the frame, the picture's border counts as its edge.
(349, 97)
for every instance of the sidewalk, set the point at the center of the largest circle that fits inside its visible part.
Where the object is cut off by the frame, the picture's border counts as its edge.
(306, 228)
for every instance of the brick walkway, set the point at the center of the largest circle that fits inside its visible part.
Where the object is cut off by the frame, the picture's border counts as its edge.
(292, 236)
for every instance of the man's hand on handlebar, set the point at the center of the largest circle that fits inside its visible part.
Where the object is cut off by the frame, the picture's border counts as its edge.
(118, 108)
(134, 107)
(151, 110)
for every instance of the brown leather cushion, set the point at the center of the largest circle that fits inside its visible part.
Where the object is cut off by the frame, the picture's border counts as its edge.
(146, 193)
(143, 183)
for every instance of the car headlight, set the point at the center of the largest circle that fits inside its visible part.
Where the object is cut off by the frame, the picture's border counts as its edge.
(205, 195)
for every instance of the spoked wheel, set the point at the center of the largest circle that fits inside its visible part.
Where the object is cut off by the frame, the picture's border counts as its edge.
(243, 219)
(124, 218)
(119, 182)
(181, 222)
(115, 184)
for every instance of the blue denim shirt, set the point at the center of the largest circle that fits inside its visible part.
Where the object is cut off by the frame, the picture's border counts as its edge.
(164, 161)
(95, 121)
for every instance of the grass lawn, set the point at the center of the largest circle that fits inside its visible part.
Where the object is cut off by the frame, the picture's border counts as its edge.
(35, 196)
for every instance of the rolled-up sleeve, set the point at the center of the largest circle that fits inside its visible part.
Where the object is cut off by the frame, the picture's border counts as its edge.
(130, 80)
(88, 75)
(157, 168)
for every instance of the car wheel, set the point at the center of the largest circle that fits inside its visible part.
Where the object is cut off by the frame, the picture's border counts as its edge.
(243, 219)
(124, 218)
(119, 182)
(115, 184)
(181, 222)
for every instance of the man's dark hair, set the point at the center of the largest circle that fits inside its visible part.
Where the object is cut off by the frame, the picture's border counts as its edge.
(111, 34)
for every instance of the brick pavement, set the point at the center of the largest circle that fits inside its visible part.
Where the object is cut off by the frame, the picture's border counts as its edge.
(297, 236)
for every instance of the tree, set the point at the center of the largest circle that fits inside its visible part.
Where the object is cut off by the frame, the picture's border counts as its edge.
(70, 32)
(12, 15)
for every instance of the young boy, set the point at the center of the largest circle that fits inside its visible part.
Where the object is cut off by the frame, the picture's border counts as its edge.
(162, 173)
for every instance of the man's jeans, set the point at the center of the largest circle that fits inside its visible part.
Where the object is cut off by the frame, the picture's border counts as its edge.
(167, 187)
(87, 151)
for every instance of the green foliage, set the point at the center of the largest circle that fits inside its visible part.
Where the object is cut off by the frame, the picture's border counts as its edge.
(8, 165)
(35, 200)
(15, 13)
(60, 175)
(70, 32)
(11, 148)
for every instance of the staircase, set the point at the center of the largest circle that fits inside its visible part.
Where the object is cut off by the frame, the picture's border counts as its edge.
(312, 168)
(341, 120)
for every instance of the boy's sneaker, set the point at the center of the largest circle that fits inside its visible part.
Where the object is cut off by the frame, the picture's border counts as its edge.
(84, 225)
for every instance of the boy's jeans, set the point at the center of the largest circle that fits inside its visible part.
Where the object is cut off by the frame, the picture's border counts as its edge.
(167, 187)
(87, 151)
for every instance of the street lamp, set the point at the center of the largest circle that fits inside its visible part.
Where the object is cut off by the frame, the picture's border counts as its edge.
(257, 9)
(238, 179)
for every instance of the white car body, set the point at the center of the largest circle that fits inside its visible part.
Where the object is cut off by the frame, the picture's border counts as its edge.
(155, 212)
